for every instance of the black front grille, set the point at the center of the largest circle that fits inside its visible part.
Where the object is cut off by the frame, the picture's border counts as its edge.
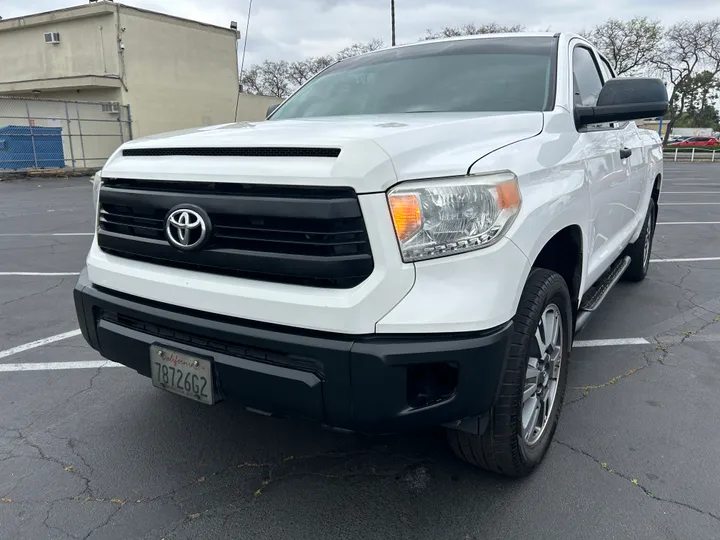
(299, 235)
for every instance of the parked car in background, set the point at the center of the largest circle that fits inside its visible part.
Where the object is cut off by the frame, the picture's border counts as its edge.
(698, 141)
(674, 140)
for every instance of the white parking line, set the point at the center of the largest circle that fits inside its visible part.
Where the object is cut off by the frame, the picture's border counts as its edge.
(689, 223)
(53, 366)
(675, 184)
(38, 343)
(699, 259)
(685, 203)
(54, 274)
(680, 178)
(611, 342)
(54, 234)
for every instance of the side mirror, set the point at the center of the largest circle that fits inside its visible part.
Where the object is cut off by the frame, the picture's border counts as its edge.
(271, 109)
(621, 100)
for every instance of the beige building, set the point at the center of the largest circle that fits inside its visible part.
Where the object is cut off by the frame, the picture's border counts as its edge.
(173, 73)
(653, 124)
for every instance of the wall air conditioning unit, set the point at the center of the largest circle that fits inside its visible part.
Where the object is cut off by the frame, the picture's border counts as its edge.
(52, 38)
(113, 107)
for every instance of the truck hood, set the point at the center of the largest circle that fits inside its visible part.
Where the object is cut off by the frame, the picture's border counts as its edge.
(375, 152)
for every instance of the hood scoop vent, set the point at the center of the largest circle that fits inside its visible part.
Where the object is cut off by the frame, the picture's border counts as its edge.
(236, 152)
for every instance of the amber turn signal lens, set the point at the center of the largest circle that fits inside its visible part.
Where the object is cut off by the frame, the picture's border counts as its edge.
(406, 214)
(508, 195)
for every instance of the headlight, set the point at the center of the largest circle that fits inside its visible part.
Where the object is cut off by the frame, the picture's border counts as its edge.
(435, 218)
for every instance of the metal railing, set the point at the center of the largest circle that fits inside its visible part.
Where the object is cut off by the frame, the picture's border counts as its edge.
(692, 154)
(52, 134)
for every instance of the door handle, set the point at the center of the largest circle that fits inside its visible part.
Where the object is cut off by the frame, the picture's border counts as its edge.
(625, 153)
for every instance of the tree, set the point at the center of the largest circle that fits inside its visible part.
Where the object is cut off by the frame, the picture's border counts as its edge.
(251, 81)
(690, 60)
(629, 46)
(702, 118)
(267, 79)
(471, 29)
(281, 78)
(694, 101)
(275, 77)
(359, 48)
(318, 63)
(299, 72)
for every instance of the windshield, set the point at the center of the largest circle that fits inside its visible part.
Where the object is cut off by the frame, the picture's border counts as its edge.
(479, 75)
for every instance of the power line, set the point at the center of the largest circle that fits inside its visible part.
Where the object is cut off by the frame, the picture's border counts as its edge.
(242, 62)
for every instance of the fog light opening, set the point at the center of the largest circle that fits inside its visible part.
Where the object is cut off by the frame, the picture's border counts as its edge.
(428, 384)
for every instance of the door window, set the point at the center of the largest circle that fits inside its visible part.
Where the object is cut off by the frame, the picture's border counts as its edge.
(586, 78)
(606, 70)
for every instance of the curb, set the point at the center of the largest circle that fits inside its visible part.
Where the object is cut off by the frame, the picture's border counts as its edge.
(47, 173)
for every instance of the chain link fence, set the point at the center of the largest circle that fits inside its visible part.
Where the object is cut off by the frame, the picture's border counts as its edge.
(50, 134)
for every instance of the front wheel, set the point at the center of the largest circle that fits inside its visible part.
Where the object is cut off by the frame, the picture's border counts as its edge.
(525, 416)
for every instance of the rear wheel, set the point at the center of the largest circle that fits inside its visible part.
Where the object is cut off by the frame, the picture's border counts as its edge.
(525, 416)
(639, 251)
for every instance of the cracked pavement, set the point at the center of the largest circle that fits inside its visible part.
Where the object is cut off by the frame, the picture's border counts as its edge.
(100, 454)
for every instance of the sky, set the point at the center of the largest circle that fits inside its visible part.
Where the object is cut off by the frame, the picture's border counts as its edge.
(294, 29)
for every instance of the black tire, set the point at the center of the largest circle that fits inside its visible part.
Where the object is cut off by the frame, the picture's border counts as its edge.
(640, 262)
(502, 448)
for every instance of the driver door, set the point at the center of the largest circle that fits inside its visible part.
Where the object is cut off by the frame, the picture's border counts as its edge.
(633, 159)
(605, 172)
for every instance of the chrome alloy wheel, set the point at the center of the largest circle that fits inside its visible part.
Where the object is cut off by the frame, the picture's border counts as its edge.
(541, 377)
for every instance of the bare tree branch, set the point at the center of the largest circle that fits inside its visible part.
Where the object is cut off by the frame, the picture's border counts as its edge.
(629, 46)
(251, 81)
(275, 77)
(690, 60)
(471, 29)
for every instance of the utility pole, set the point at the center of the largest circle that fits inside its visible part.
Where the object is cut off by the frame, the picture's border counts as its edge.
(392, 13)
(661, 121)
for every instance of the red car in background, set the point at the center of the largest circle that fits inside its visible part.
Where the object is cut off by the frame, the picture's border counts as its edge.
(698, 141)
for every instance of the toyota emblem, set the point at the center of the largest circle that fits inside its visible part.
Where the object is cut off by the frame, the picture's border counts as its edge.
(187, 228)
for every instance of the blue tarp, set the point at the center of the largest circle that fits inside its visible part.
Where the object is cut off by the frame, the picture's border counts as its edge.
(29, 147)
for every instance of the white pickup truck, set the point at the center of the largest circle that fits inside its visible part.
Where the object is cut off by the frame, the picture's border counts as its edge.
(413, 238)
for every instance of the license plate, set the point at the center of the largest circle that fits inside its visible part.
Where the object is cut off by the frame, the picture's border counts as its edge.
(181, 373)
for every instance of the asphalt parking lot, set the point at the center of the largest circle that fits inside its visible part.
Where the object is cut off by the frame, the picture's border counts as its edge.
(95, 452)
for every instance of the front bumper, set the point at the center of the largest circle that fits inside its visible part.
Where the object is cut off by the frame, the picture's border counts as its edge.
(372, 383)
